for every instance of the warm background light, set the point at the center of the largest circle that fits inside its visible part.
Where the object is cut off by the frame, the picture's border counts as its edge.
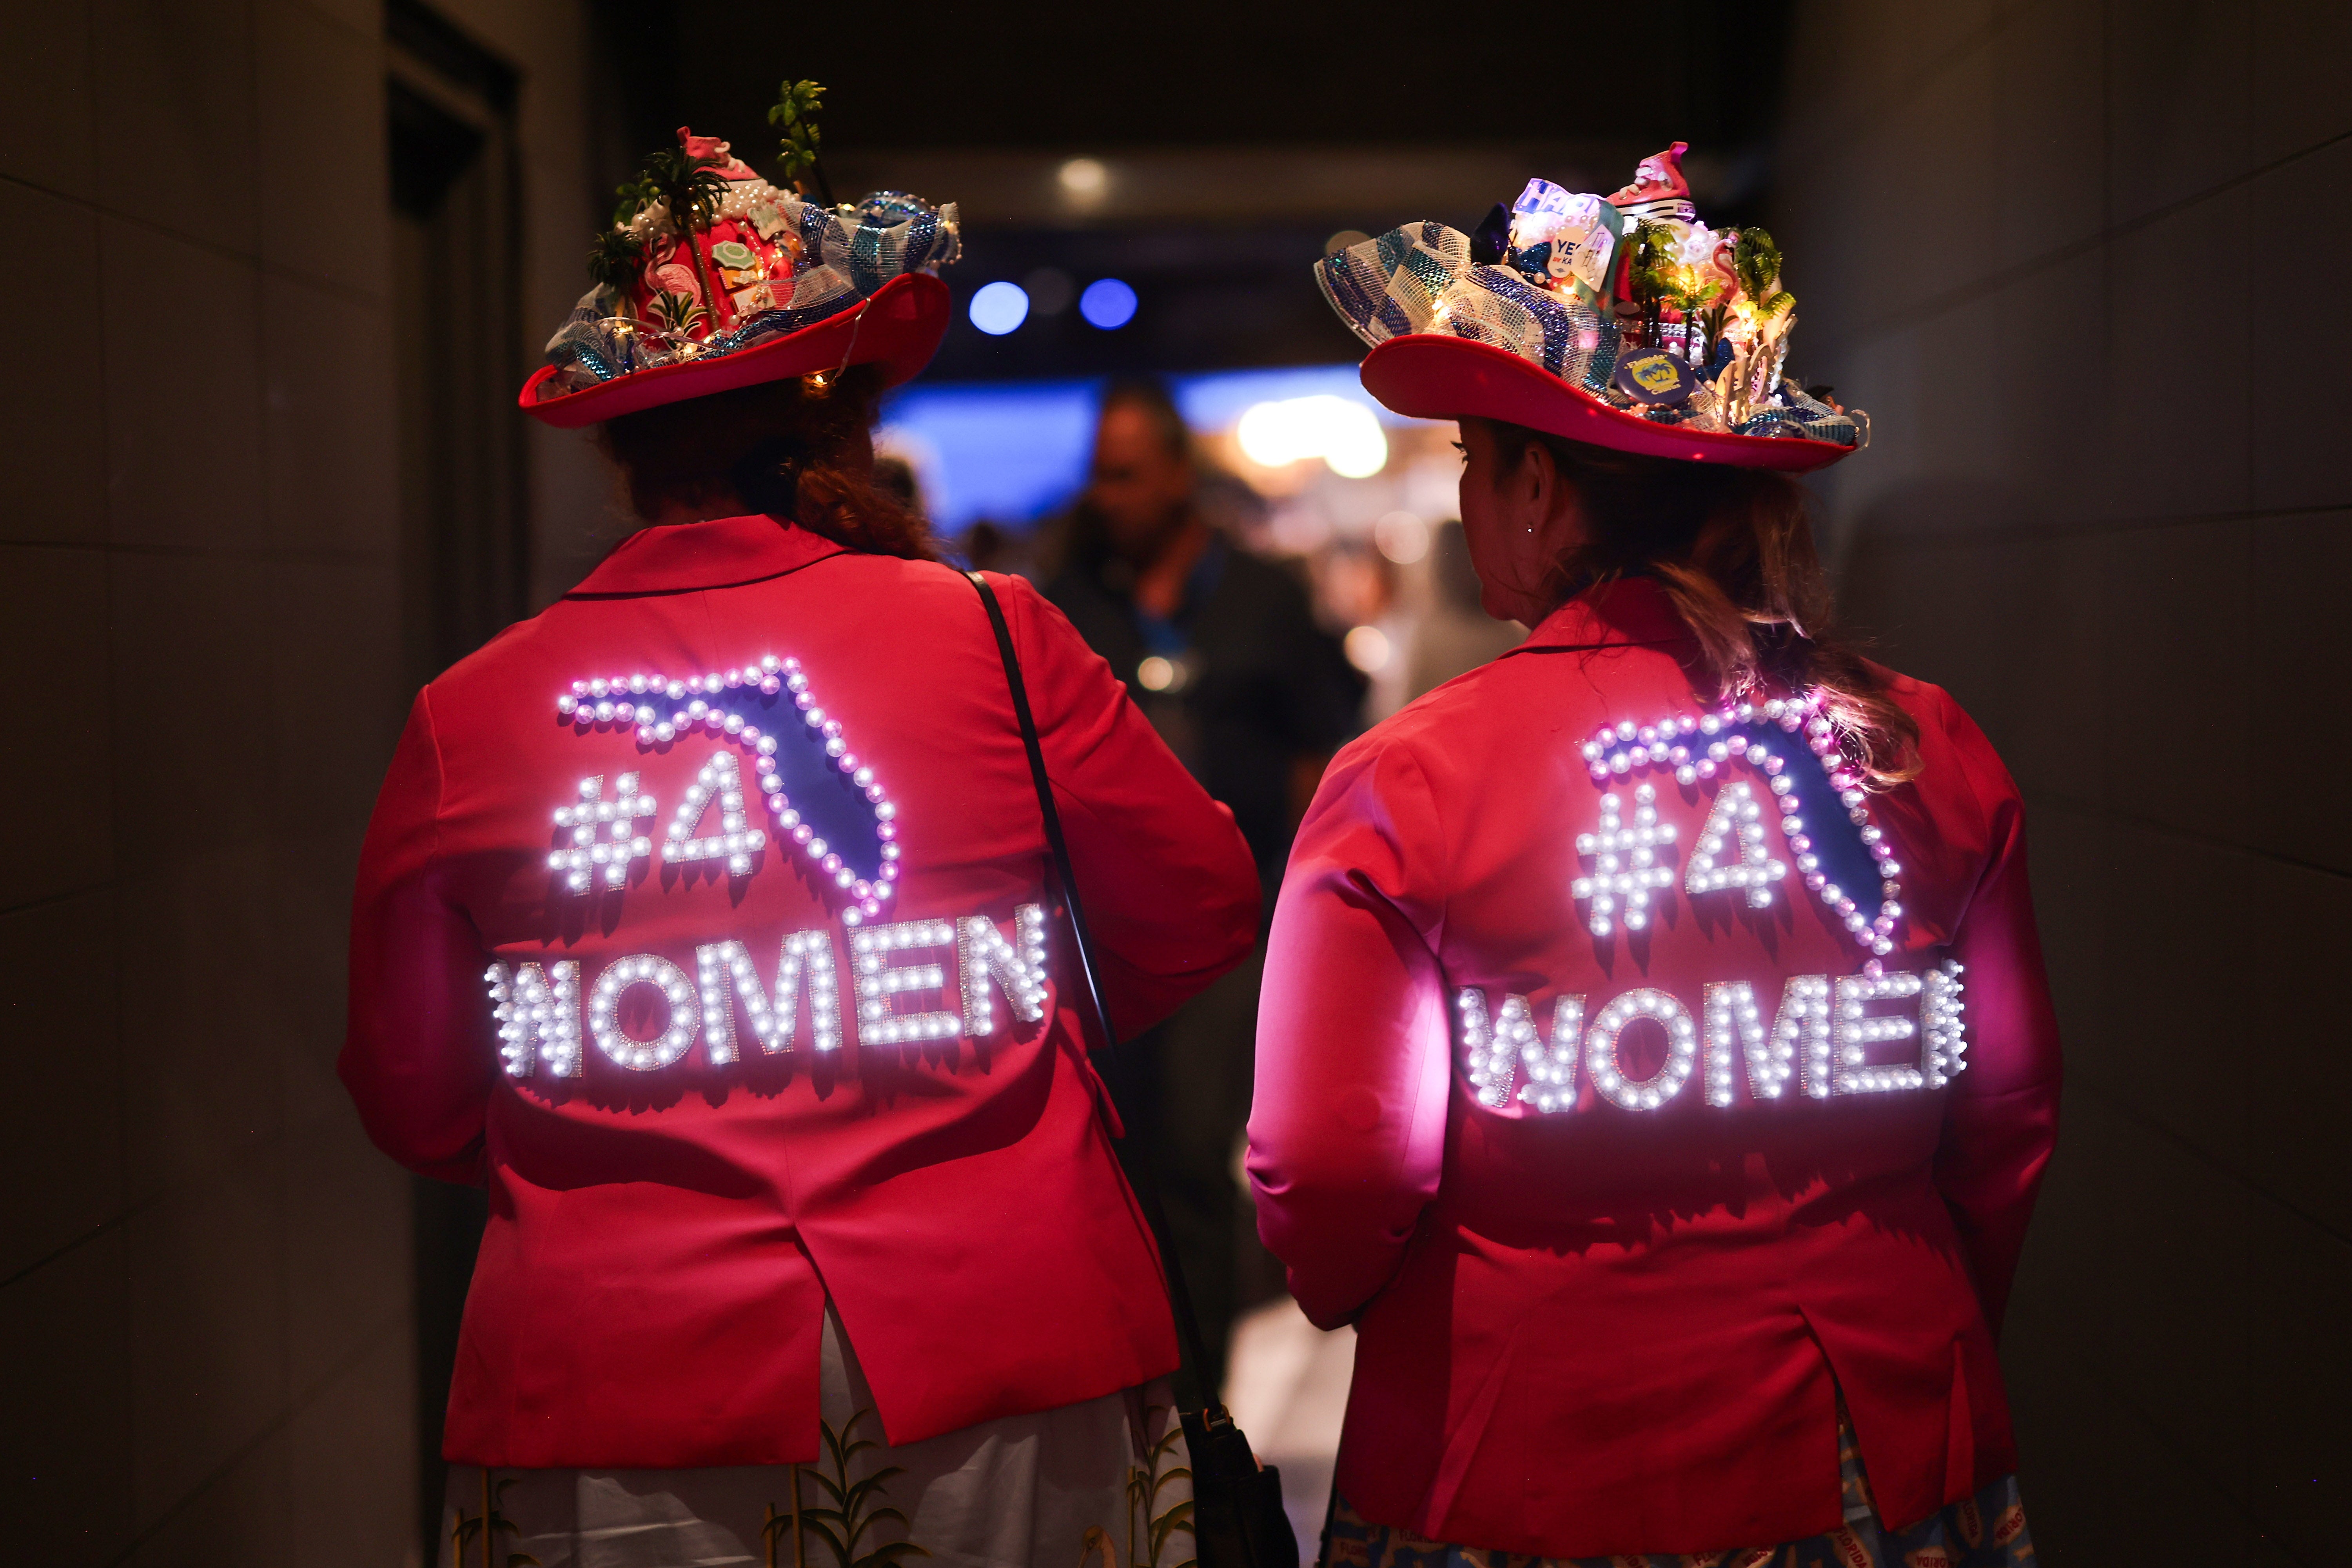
(1084, 181)
(1401, 536)
(1343, 434)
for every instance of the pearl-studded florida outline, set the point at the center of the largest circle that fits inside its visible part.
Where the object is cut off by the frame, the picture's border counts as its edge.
(703, 703)
(1700, 748)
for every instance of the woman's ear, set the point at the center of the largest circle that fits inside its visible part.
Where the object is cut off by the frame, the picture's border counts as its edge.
(1535, 487)
(1556, 506)
(1538, 479)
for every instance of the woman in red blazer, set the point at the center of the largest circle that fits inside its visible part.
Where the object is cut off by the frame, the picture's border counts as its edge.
(1655, 1063)
(705, 918)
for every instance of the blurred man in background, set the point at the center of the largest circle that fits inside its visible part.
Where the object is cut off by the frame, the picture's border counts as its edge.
(1221, 650)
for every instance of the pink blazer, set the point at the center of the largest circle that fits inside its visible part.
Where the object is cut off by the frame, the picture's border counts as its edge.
(1634, 1093)
(704, 918)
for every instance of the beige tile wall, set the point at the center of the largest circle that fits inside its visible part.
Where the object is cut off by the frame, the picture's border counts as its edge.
(205, 1265)
(205, 1286)
(2110, 507)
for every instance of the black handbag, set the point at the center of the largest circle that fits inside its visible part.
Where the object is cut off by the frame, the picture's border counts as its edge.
(1237, 1516)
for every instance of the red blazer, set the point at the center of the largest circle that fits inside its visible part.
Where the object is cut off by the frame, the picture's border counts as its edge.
(703, 1098)
(1615, 1232)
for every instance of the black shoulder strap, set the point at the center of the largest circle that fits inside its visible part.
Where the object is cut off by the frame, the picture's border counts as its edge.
(1139, 1170)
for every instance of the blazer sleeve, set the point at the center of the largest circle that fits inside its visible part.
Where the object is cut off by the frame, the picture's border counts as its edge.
(2001, 1118)
(1346, 1133)
(1170, 892)
(417, 1058)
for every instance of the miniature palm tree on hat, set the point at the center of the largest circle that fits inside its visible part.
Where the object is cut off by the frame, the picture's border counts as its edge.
(795, 115)
(1649, 275)
(1756, 262)
(614, 261)
(679, 315)
(689, 189)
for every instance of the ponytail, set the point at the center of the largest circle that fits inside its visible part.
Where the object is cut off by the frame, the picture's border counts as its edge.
(1733, 548)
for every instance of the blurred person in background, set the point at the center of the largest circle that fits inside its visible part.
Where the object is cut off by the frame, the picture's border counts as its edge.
(1356, 591)
(1455, 635)
(989, 546)
(1222, 651)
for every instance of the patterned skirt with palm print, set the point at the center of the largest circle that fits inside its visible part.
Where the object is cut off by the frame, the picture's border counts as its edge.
(1102, 1484)
(1986, 1530)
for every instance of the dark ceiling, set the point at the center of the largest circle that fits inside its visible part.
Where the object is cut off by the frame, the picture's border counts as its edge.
(1108, 78)
(1113, 75)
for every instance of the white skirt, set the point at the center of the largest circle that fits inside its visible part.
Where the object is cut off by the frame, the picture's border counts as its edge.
(1101, 1484)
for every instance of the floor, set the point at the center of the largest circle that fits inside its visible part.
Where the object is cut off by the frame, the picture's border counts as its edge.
(1287, 1385)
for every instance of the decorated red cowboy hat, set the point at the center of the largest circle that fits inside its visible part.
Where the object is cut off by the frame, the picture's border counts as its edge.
(898, 326)
(712, 278)
(1622, 322)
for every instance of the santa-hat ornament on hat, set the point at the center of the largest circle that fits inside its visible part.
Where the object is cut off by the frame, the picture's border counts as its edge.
(712, 278)
(1624, 322)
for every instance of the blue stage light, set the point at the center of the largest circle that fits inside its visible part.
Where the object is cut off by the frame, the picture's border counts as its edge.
(999, 308)
(1108, 303)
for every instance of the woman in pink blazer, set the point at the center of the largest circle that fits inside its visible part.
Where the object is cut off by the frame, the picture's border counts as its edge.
(705, 918)
(1655, 1063)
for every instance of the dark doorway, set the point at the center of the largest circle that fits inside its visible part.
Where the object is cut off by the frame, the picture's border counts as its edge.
(465, 540)
(456, 233)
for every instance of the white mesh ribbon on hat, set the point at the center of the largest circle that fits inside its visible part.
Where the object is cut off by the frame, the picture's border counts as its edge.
(1390, 285)
(1420, 278)
(888, 233)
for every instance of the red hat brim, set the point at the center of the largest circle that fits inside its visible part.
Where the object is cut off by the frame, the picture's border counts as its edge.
(898, 326)
(1431, 375)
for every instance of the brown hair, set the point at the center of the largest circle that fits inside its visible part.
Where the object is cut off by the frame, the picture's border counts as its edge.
(796, 449)
(1733, 549)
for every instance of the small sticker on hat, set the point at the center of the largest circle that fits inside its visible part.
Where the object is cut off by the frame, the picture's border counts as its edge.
(1655, 377)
